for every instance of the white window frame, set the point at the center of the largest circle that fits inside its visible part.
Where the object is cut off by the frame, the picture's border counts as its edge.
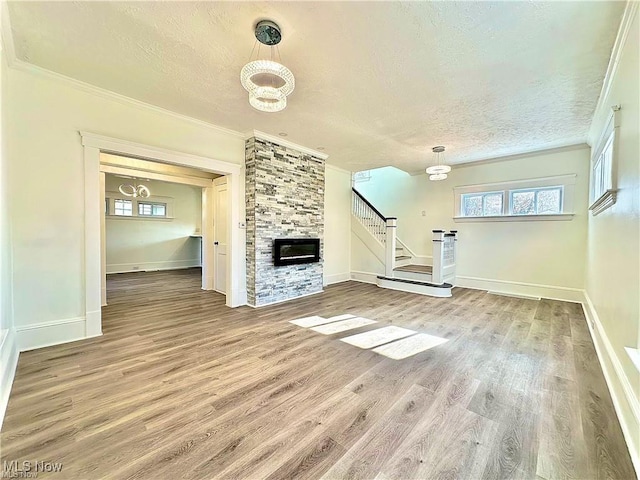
(567, 182)
(535, 191)
(144, 202)
(603, 165)
(111, 197)
(483, 195)
(115, 208)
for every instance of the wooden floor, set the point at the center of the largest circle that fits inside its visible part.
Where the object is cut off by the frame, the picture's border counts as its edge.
(181, 386)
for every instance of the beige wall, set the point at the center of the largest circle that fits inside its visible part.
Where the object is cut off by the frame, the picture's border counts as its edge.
(543, 253)
(137, 244)
(613, 267)
(5, 235)
(337, 224)
(47, 181)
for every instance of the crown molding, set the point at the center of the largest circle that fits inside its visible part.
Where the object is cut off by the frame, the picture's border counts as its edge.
(286, 143)
(110, 95)
(630, 10)
(8, 47)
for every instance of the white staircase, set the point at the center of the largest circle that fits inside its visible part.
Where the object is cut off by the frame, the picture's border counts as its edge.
(378, 234)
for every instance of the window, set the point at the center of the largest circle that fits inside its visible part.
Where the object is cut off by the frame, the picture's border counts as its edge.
(152, 209)
(482, 204)
(603, 181)
(156, 208)
(549, 198)
(122, 207)
(536, 201)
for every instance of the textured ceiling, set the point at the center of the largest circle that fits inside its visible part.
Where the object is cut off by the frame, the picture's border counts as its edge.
(377, 83)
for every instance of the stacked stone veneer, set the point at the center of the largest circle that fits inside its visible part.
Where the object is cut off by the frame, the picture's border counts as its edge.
(285, 199)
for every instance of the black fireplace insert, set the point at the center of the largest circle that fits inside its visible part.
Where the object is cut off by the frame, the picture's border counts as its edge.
(294, 251)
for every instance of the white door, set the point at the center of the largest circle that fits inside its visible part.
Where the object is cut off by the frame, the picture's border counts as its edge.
(220, 233)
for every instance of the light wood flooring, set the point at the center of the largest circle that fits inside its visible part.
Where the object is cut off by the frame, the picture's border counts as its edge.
(180, 386)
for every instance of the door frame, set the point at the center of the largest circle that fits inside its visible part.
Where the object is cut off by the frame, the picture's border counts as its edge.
(214, 209)
(93, 144)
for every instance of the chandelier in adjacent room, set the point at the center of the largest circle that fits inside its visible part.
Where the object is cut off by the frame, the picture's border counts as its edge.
(134, 190)
(268, 82)
(439, 170)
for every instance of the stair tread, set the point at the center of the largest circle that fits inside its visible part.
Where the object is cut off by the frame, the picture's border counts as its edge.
(415, 269)
(403, 257)
(415, 282)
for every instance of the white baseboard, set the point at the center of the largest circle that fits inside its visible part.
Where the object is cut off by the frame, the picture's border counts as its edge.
(285, 300)
(152, 266)
(617, 382)
(365, 277)
(8, 363)
(336, 278)
(46, 334)
(552, 292)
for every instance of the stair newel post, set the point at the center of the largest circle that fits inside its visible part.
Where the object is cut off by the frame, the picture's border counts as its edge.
(390, 246)
(438, 257)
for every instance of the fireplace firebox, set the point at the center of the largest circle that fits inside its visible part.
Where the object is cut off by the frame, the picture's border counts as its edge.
(295, 251)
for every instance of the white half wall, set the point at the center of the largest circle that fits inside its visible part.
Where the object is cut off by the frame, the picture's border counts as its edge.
(337, 224)
(46, 160)
(613, 257)
(139, 243)
(521, 257)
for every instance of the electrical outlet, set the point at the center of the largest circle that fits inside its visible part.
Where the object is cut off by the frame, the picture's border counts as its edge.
(136, 268)
(424, 213)
(242, 225)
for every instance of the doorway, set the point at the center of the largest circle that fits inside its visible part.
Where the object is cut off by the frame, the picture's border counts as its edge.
(235, 268)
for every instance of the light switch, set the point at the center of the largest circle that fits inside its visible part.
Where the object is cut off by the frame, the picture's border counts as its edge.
(242, 225)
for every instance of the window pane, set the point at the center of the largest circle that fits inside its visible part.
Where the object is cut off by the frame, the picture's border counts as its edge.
(122, 207)
(523, 203)
(549, 201)
(159, 210)
(493, 204)
(144, 209)
(472, 206)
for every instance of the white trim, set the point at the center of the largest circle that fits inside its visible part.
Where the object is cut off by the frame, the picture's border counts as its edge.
(406, 247)
(505, 287)
(286, 143)
(23, 66)
(149, 152)
(389, 283)
(8, 46)
(514, 295)
(46, 334)
(517, 218)
(162, 177)
(634, 355)
(285, 300)
(612, 376)
(365, 277)
(8, 363)
(630, 11)
(607, 199)
(152, 266)
(336, 278)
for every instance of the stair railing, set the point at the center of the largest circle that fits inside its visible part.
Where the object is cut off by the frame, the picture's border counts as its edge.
(382, 228)
(444, 256)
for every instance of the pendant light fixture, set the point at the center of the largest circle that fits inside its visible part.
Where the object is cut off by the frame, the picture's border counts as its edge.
(134, 190)
(439, 170)
(268, 82)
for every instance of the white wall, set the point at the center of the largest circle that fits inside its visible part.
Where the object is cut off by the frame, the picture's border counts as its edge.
(47, 178)
(138, 243)
(613, 267)
(516, 257)
(8, 350)
(337, 224)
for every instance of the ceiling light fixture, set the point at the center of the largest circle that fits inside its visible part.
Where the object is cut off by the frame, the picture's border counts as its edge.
(268, 82)
(439, 170)
(134, 190)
